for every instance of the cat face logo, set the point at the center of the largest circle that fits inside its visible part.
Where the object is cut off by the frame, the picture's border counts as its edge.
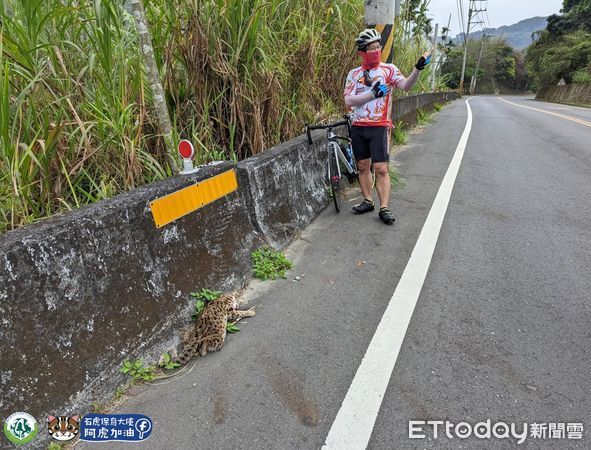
(63, 428)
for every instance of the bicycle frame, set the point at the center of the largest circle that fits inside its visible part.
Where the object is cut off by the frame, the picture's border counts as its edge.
(336, 158)
(339, 155)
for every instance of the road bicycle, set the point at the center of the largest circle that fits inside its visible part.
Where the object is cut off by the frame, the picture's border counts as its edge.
(340, 157)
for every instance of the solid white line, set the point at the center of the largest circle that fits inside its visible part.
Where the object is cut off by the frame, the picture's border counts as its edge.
(355, 420)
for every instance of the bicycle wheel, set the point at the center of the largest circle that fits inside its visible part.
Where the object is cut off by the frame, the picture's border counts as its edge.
(334, 179)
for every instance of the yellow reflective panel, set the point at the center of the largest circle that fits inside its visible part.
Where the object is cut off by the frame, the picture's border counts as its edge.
(180, 203)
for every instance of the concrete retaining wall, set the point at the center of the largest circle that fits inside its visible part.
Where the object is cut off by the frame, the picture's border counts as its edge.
(81, 292)
(579, 94)
(286, 184)
(405, 108)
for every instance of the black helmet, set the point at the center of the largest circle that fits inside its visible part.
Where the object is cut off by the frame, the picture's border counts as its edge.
(366, 37)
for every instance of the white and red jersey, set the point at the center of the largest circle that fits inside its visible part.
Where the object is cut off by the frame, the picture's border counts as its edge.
(376, 112)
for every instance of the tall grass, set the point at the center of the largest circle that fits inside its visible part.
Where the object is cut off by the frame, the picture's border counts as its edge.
(77, 122)
(74, 116)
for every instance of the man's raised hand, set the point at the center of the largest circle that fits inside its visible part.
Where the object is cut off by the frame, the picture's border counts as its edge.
(423, 60)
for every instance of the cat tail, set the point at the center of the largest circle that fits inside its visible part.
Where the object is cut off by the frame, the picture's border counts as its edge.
(188, 352)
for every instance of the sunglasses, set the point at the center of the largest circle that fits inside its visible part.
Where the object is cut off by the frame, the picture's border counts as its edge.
(366, 78)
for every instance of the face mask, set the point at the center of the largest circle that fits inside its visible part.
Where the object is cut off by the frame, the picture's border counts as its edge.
(370, 59)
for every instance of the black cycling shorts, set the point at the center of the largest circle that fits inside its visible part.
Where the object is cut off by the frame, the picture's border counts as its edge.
(370, 142)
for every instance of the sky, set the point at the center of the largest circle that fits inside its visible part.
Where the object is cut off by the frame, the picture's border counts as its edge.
(500, 12)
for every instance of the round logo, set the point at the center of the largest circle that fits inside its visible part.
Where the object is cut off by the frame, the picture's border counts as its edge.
(143, 426)
(20, 428)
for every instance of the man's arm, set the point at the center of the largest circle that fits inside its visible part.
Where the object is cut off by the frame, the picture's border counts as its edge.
(358, 100)
(407, 83)
(378, 90)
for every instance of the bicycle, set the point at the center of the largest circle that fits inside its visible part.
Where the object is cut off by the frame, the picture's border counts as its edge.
(339, 156)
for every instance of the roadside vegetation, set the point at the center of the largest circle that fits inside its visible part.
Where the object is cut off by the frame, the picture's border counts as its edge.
(269, 264)
(77, 118)
(501, 68)
(563, 49)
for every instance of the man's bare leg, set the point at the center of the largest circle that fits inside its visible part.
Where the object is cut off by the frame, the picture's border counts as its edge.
(365, 180)
(382, 183)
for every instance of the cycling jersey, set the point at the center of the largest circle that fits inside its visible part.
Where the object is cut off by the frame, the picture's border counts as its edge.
(376, 112)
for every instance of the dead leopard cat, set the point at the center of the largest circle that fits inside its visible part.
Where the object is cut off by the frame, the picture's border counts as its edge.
(210, 329)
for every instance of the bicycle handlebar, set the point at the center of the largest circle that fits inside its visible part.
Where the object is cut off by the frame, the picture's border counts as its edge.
(327, 126)
(330, 125)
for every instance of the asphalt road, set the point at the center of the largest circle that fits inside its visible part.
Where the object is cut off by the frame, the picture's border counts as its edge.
(501, 330)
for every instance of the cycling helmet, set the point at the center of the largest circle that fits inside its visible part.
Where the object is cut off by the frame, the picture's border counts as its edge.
(366, 37)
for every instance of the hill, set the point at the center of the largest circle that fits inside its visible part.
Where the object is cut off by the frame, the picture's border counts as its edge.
(517, 35)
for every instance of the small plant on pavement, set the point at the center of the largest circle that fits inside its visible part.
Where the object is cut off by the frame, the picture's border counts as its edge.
(167, 363)
(98, 408)
(269, 264)
(399, 133)
(119, 392)
(138, 371)
(422, 117)
(395, 179)
(232, 328)
(203, 296)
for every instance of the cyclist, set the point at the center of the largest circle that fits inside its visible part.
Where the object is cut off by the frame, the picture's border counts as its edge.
(367, 94)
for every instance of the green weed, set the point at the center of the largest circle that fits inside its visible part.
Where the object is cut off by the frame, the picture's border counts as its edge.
(98, 408)
(137, 371)
(269, 264)
(119, 392)
(54, 446)
(232, 328)
(206, 294)
(203, 297)
(423, 117)
(437, 106)
(400, 136)
(167, 362)
(395, 179)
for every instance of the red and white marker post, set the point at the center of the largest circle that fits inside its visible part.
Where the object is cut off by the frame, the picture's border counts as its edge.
(187, 151)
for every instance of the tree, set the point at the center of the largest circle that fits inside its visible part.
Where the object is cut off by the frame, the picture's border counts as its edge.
(563, 49)
(414, 13)
(497, 68)
(154, 79)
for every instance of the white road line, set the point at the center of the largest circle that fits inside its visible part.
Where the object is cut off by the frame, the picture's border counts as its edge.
(355, 420)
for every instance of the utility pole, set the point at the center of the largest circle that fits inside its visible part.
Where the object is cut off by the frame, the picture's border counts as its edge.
(434, 66)
(475, 75)
(473, 11)
(380, 14)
